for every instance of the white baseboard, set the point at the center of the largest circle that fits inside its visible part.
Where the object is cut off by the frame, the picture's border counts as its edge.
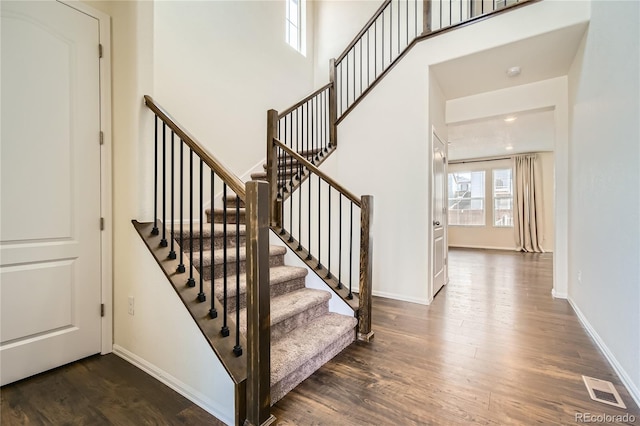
(471, 246)
(558, 295)
(400, 297)
(182, 388)
(633, 389)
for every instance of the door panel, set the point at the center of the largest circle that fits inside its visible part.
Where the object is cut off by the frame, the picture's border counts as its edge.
(50, 255)
(438, 205)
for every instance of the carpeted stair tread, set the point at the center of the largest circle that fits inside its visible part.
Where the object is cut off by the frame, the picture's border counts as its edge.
(290, 305)
(218, 230)
(277, 275)
(218, 255)
(308, 346)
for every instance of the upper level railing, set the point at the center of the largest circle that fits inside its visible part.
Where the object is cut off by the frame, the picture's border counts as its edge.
(393, 29)
(210, 285)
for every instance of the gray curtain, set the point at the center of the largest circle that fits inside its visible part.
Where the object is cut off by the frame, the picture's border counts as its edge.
(528, 208)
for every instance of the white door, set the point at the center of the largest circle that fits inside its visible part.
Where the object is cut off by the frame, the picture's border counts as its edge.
(50, 259)
(439, 214)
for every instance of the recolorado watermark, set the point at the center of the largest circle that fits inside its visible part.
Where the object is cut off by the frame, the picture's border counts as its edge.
(604, 418)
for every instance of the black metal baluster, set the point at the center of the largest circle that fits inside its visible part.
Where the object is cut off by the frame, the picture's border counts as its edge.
(319, 225)
(155, 230)
(361, 69)
(346, 58)
(415, 18)
(201, 296)
(350, 295)
(407, 17)
(390, 30)
(382, 58)
(325, 110)
(237, 349)
(297, 141)
(329, 239)
(299, 216)
(368, 56)
(191, 282)
(283, 171)
(309, 257)
(163, 241)
(375, 49)
(181, 269)
(339, 286)
(282, 200)
(213, 312)
(172, 252)
(340, 91)
(224, 331)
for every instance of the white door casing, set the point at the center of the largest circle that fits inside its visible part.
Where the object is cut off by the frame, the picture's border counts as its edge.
(438, 215)
(51, 247)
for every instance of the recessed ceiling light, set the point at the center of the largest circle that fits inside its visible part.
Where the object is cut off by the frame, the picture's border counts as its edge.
(513, 71)
(508, 147)
(510, 119)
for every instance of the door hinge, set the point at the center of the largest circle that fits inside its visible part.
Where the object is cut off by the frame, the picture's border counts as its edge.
(101, 137)
(102, 223)
(102, 309)
(99, 50)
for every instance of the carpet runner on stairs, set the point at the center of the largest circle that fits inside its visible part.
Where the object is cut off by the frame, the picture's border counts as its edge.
(304, 333)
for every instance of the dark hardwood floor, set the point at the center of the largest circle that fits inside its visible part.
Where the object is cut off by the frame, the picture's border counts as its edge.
(493, 348)
(99, 390)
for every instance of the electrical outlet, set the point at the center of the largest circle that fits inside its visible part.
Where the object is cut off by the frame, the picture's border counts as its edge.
(131, 305)
(580, 276)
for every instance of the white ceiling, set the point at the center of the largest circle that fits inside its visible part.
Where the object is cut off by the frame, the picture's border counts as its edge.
(532, 131)
(542, 57)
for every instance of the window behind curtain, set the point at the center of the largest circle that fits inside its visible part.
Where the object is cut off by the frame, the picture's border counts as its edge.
(466, 198)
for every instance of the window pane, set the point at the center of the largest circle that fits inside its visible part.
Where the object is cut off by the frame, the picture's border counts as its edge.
(466, 198)
(502, 197)
(293, 36)
(293, 12)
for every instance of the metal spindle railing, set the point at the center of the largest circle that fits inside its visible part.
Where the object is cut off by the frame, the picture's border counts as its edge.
(311, 235)
(199, 252)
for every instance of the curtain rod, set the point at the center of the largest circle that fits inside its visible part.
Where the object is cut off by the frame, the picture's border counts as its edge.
(480, 159)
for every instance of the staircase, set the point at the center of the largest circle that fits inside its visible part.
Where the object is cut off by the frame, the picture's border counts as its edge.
(304, 334)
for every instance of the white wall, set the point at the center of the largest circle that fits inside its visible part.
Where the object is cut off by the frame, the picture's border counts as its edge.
(550, 93)
(384, 143)
(336, 23)
(491, 237)
(161, 337)
(220, 65)
(604, 202)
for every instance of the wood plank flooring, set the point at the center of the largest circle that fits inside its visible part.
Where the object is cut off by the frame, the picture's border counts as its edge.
(494, 348)
(99, 390)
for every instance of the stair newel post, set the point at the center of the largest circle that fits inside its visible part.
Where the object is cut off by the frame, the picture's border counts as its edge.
(272, 167)
(333, 105)
(258, 305)
(366, 257)
(426, 17)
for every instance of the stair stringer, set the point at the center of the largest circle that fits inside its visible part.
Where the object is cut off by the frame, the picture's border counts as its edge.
(167, 343)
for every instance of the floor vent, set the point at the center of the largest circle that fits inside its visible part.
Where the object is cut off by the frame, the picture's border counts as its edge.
(603, 391)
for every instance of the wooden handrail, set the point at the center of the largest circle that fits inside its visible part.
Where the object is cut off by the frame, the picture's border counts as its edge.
(363, 30)
(356, 200)
(216, 165)
(304, 100)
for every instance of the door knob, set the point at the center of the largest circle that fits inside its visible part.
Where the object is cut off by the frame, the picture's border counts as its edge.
(436, 223)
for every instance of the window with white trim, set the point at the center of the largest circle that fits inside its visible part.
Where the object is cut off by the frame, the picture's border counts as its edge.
(466, 198)
(296, 25)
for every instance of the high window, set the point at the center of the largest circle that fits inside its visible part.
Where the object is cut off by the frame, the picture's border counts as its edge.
(502, 197)
(466, 198)
(295, 22)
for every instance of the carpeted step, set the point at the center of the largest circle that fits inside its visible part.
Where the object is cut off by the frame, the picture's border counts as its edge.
(283, 279)
(218, 215)
(276, 258)
(298, 354)
(292, 310)
(231, 201)
(218, 236)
